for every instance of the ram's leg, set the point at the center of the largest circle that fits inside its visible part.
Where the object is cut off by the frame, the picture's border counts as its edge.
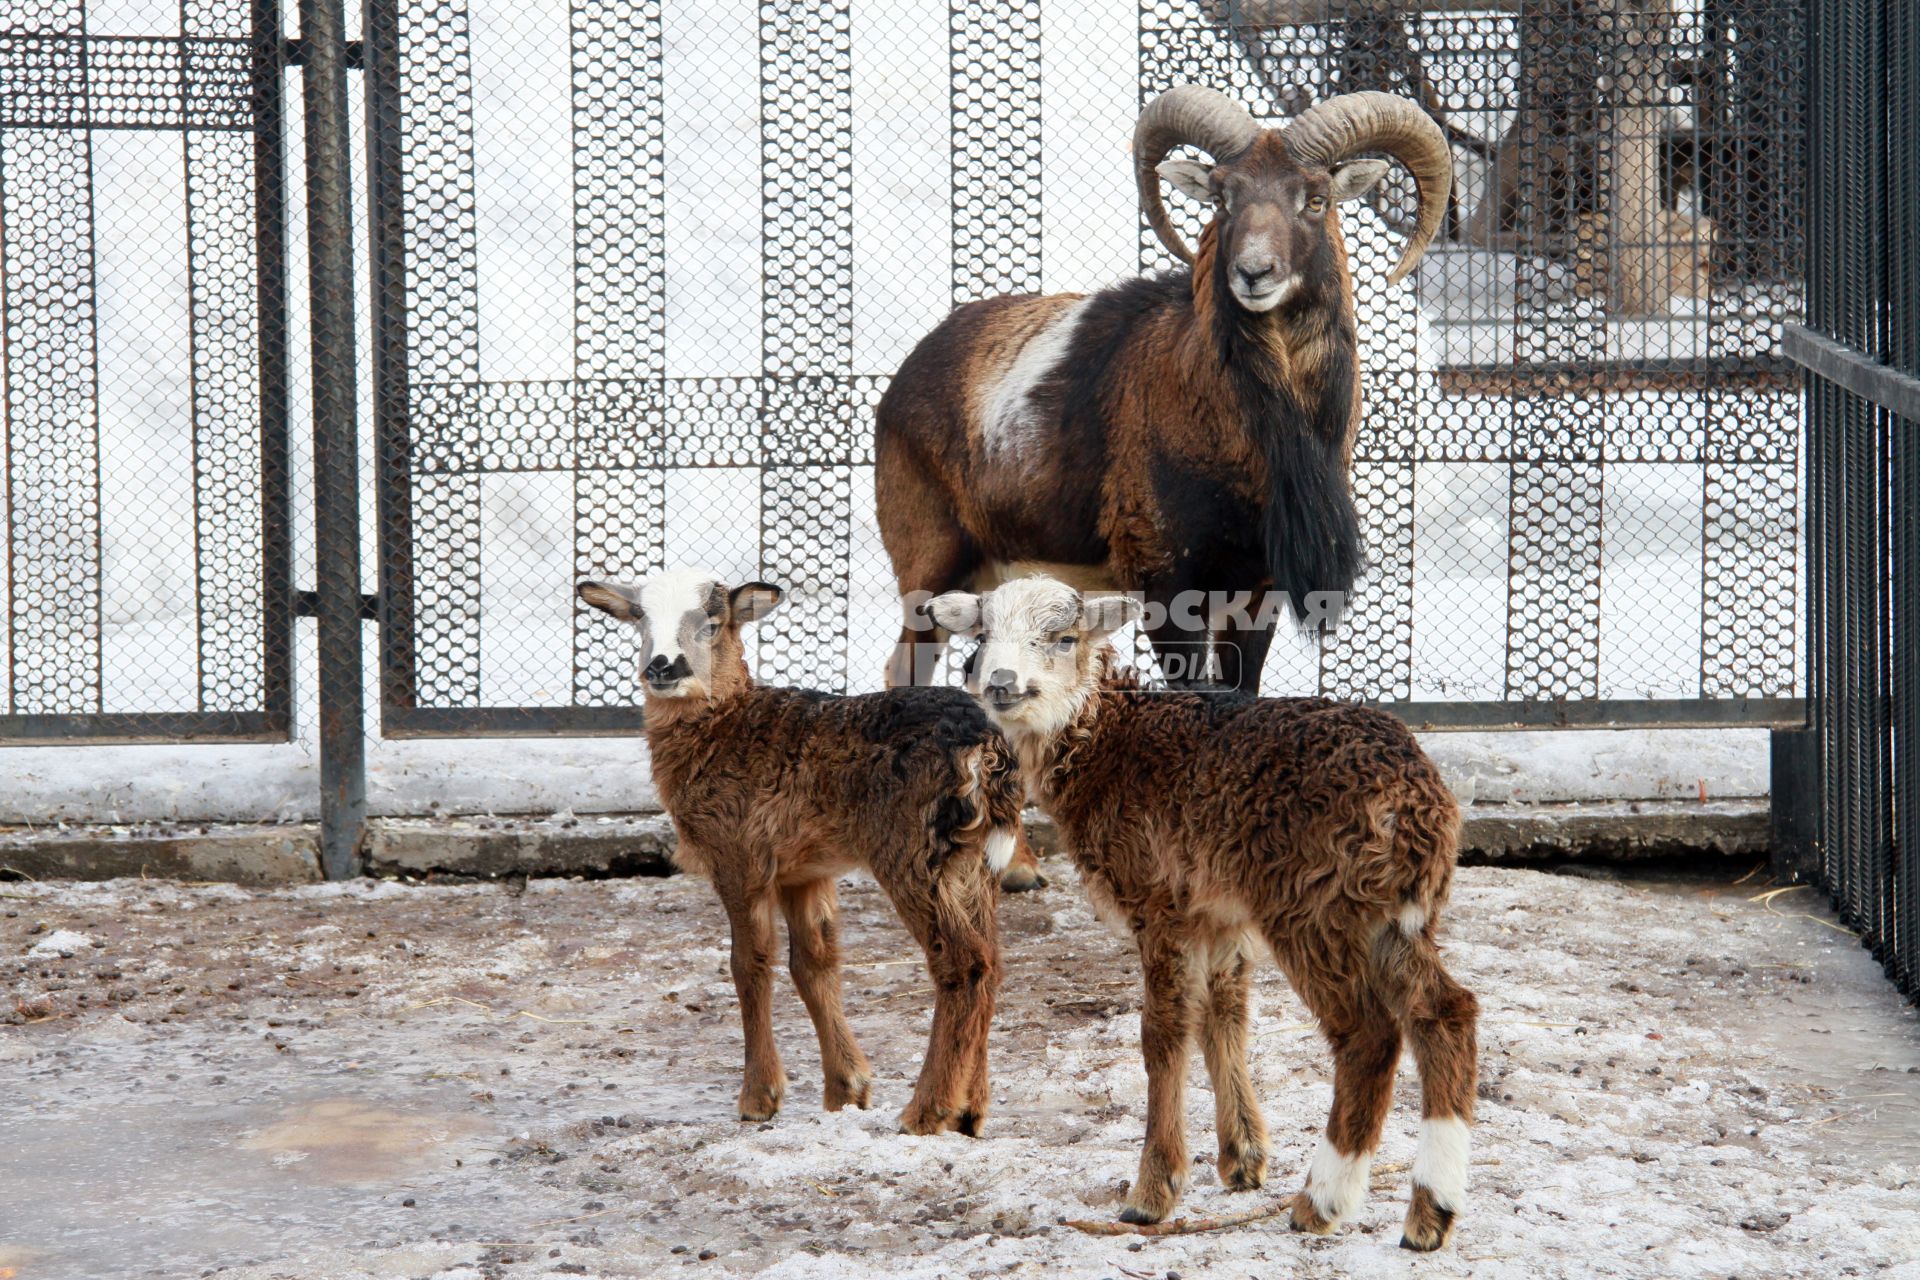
(1241, 652)
(931, 553)
(1241, 1129)
(1166, 1041)
(765, 1083)
(813, 955)
(1178, 629)
(1023, 872)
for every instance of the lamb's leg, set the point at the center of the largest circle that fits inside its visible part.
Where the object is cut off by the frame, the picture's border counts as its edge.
(1241, 1129)
(1441, 1016)
(1366, 1046)
(956, 928)
(765, 1083)
(1166, 1040)
(813, 956)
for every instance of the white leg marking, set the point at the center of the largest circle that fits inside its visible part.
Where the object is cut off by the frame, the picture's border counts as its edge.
(1440, 1162)
(1337, 1184)
(1000, 847)
(1006, 417)
(1413, 918)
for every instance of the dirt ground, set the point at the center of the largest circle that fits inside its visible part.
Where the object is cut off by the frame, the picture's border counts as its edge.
(457, 1082)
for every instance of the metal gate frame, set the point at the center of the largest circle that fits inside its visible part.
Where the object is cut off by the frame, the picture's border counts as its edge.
(206, 84)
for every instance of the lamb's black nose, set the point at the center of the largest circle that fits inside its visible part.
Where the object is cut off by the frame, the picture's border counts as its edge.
(657, 669)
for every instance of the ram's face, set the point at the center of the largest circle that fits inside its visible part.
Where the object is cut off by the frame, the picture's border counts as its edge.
(1037, 642)
(1273, 222)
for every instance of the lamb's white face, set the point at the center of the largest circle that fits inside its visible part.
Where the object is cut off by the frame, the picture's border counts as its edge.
(1034, 665)
(680, 613)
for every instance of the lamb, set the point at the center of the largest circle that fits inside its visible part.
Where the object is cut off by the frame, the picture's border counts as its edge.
(1208, 823)
(774, 792)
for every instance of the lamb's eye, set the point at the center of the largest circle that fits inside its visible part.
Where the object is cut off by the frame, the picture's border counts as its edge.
(709, 629)
(1065, 644)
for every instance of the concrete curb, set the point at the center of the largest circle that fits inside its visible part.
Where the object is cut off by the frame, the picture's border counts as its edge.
(607, 845)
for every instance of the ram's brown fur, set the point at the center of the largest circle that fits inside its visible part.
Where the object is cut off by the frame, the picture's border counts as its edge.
(775, 792)
(1165, 377)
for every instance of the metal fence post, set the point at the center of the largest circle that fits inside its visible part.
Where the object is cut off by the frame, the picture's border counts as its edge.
(336, 454)
(1795, 805)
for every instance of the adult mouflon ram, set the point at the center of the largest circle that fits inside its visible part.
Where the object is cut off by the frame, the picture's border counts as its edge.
(1185, 432)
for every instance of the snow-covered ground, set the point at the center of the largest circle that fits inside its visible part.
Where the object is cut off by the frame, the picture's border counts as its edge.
(473, 1083)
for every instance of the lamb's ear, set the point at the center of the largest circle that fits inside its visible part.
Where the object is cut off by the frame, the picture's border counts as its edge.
(957, 611)
(1104, 615)
(753, 601)
(1351, 181)
(610, 597)
(1189, 177)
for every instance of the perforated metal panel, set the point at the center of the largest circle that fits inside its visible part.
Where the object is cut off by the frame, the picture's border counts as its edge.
(643, 271)
(142, 323)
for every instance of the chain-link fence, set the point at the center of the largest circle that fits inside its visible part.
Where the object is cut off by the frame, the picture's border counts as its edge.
(144, 362)
(634, 276)
(650, 269)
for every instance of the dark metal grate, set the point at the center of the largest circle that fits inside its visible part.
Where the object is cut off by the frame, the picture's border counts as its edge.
(1863, 471)
(145, 465)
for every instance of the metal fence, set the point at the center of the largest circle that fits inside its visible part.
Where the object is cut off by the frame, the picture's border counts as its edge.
(1861, 349)
(619, 285)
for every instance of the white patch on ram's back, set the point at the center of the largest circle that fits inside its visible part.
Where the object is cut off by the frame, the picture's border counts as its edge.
(1007, 418)
(1000, 847)
(1412, 918)
(1337, 1184)
(668, 597)
(1440, 1161)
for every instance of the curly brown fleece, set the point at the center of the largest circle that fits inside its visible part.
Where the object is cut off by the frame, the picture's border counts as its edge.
(775, 792)
(1204, 821)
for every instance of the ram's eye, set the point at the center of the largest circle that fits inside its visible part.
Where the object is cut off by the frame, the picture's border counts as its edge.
(1316, 204)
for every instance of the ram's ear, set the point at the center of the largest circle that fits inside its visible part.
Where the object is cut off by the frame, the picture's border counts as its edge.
(1104, 615)
(957, 611)
(753, 601)
(622, 602)
(1189, 177)
(1351, 181)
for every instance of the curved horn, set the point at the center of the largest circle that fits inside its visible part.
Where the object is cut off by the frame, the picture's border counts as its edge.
(1188, 114)
(1339, 128)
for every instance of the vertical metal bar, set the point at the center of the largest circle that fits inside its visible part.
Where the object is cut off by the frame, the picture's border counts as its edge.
(336, 454)
(270, 244)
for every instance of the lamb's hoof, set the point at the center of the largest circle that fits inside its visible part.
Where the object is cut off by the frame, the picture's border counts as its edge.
(1307, 1217)
(924, 1121)
(761, 1102)
(851, 1090)
(1428, 1226)
(1243, 1169)
(1021, 877)
(969, 1123)
(1153, 1198)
